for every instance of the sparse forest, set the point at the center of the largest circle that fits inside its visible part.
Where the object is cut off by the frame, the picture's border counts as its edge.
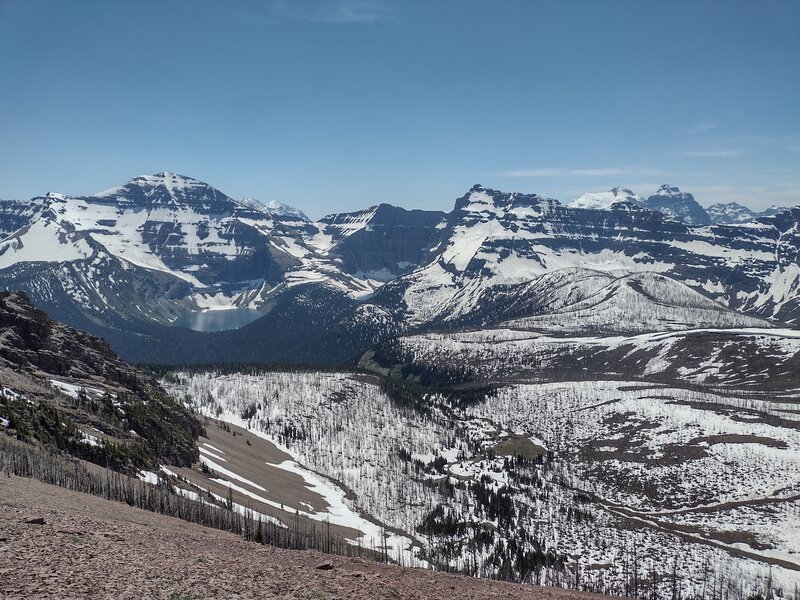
(578, 484)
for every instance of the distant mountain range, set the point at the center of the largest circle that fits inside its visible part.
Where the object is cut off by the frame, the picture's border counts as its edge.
(675, 204)
(605, 200)
(128, 262)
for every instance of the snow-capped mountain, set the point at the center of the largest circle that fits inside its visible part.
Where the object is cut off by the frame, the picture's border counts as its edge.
(772, 211)
(649, 350)
(137, 257)
(169, 224)
(15, 214)
(605, 200)
(495, 240)
(161, 245)
(678, 205)
(382, 242)
(232, 254)
(732, 212)
(274, 207)
(673, 203)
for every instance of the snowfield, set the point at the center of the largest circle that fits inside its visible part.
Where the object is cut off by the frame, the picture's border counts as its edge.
(708, 356)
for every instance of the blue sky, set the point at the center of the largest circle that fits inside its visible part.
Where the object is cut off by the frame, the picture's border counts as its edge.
(337, 105)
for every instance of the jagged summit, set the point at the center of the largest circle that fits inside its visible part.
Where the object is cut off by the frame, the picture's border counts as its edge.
(54, 196)
(167, 175)
(730, 212)
(278, 207)
(166, 188)
(480, 199)
(605, 200)
(669, 190)
(165, 179)
(673, 203)
(274, 207)
(773, 210)
(678, 205)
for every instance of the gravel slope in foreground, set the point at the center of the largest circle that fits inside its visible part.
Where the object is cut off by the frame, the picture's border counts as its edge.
(92, 548)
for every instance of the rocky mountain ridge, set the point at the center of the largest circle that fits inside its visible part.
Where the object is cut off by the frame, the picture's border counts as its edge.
(127, 262)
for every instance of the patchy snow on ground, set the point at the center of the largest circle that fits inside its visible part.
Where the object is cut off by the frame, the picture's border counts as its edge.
(74, 391)
(615, 453)
(283, 411)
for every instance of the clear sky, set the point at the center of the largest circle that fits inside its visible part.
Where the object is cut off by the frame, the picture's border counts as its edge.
(339, 104)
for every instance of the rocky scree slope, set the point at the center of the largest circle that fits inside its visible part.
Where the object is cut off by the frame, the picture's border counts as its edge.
(146, 552)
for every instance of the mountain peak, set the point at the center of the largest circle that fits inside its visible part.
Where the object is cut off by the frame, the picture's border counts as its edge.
(167, 179)
(680, 206)
(253, 203)
(605, 200)
(274, 207)
(164, 188)
(728, 205)
(480, 199)
(773, 210)
(668, 190)
(729, 213)
(622, 190)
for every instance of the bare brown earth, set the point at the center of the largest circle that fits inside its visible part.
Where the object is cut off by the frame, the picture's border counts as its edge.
(92, 548)
(252, 457)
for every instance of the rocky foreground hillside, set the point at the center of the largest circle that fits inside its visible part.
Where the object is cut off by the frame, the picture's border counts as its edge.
(89, 547)
(65, 389)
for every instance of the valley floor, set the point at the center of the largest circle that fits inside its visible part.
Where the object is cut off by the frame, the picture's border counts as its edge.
(92, 548)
